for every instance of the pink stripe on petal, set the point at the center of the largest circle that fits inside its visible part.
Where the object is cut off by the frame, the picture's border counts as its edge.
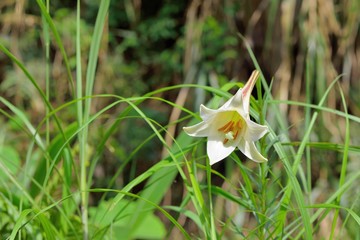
(247, 89)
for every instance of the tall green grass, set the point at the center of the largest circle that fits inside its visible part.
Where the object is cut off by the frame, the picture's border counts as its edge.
(48, 187)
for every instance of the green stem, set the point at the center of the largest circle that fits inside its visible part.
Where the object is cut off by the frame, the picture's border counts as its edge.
(83, 134)
(47, 70)
(309, 70)
(344, 162)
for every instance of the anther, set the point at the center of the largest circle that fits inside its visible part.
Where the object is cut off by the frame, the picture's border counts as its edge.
(227, 127)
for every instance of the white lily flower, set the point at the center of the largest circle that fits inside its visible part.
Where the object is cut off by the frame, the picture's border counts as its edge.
(230, 126)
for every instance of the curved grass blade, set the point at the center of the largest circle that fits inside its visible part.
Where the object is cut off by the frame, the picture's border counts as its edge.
(49, 20)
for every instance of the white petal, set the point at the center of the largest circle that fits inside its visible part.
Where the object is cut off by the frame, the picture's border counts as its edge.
(217, 151)
(234, 102)
(248, 149)
(254, 131)
(198, 130)
(206, 113)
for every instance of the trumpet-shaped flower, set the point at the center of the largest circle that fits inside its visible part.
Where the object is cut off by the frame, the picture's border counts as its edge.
(230, 126)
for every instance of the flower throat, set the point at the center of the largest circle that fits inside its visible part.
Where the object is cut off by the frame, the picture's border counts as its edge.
(232, 128)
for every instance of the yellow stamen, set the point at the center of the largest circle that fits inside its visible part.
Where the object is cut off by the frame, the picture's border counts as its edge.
(226, 127)
(237, 133)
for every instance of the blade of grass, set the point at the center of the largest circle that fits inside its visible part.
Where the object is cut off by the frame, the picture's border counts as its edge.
(45, 14)
(90, 78)
(344, 164)
(79, 95)
(19, 223)
(47, 67)
(319, 108)
(211, 209)
(327, 146)
(355, 216)
(81, 135)
(309, 96)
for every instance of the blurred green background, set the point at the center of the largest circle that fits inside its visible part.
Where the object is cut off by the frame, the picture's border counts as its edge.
(148, 45)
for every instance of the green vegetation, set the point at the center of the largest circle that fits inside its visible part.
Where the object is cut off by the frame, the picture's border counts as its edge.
(94, 95)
